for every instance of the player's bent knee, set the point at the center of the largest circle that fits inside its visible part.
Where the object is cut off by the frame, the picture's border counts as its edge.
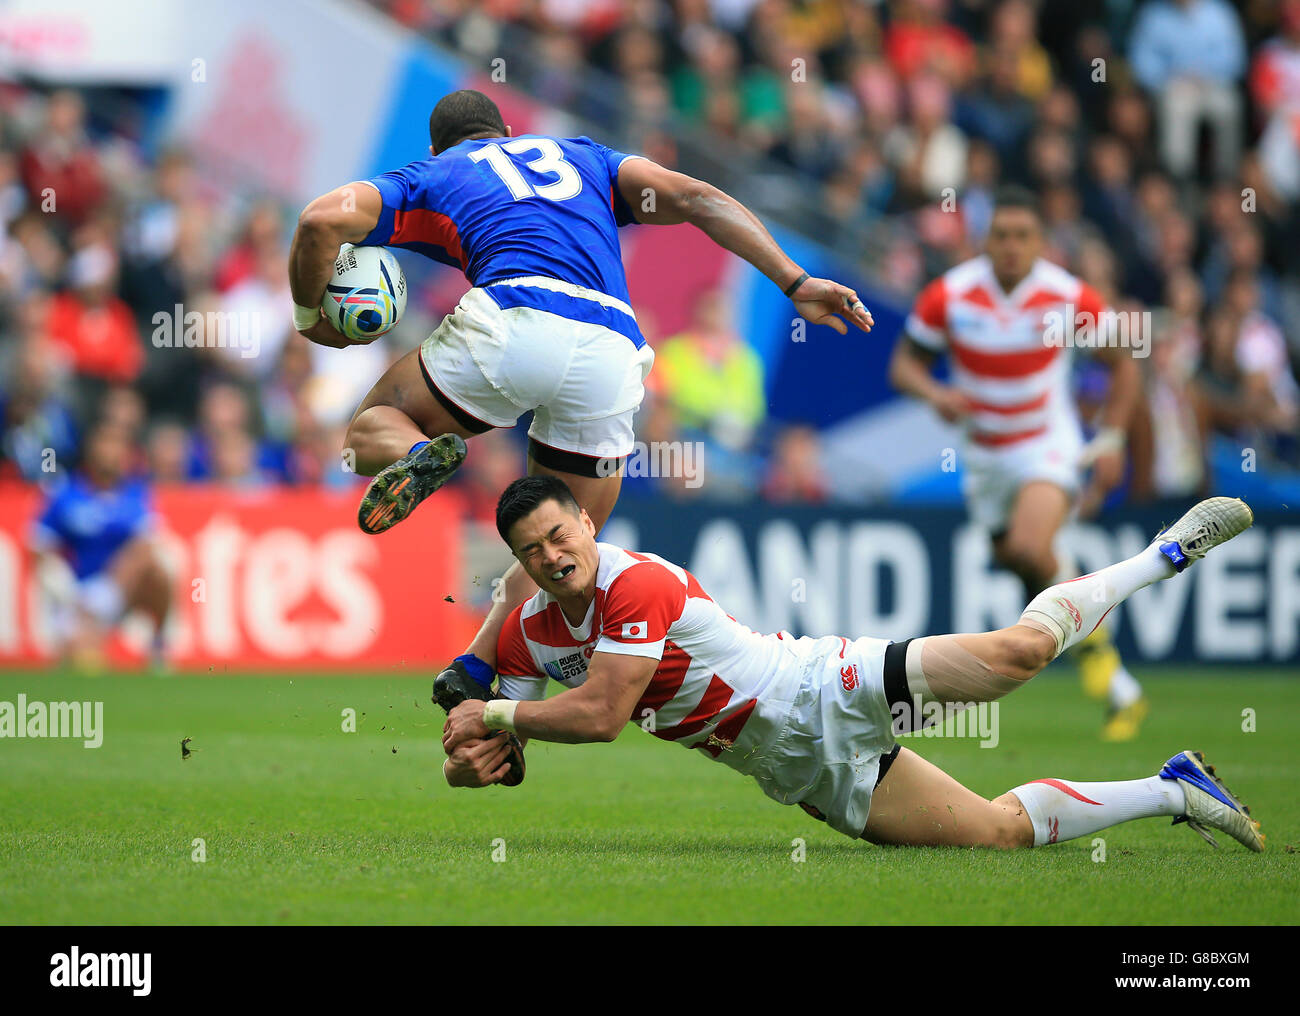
(361, 426)
(360, 443)
(356, 432)
(1037, 648)
(1008, 833)
(1023, 652)
(1013, 829)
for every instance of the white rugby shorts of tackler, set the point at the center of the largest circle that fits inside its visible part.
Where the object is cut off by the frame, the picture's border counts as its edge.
(838, 740)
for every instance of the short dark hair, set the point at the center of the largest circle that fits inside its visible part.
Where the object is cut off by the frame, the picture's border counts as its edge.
(526, 495)
(461, 114)
(1014, 196)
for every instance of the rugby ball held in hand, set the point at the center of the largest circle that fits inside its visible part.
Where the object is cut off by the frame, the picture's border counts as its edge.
(366, 295)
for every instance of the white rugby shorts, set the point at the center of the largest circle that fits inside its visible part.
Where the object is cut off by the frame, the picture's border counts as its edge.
(992, 477)
(583, 381)
(827, 756)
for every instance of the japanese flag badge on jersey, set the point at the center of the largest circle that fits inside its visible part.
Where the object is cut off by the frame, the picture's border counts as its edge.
(636, 630)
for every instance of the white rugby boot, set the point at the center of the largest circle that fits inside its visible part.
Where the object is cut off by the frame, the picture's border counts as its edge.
(1207, 524)
(1209, 802)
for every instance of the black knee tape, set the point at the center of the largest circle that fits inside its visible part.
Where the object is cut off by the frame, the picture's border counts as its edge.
(896, 690)
(574, 462)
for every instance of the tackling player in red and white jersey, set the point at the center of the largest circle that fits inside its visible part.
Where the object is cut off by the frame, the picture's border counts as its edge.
(1005, 320)
(634, 638)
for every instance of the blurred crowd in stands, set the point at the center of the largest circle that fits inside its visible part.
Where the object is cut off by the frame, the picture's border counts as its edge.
(137, 295)
(1163, 138)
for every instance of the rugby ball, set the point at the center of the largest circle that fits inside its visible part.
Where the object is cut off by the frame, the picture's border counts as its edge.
(366, 295)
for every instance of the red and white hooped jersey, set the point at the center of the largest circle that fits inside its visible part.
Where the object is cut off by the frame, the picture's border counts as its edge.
(1001, 346)
(719, 686)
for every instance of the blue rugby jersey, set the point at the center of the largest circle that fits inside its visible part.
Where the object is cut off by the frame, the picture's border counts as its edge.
(89, 525)
(512, 208)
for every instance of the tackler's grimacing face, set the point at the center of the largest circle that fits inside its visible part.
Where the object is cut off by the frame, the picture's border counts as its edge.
(557, 548)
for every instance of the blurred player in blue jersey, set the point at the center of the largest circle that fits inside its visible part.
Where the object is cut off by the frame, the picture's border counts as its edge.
(533, 222)
(94, 550)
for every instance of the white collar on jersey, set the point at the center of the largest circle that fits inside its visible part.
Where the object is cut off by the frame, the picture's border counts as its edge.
(583, 631)
(1011, 299)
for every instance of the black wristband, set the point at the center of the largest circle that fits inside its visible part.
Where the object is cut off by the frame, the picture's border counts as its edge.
(796, 284)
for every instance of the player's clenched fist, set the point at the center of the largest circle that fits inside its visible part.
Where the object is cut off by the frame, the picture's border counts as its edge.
(478, 763)
(464, 723)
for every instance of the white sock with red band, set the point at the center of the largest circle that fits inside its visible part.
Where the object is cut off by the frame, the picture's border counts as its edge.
(1070, 611)
(1061, 809)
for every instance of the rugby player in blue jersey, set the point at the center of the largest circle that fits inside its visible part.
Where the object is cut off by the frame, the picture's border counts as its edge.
(97, 525)
(533, 222)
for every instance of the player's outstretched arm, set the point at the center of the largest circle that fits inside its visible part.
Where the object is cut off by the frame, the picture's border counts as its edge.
(595, 711)
(659, 196)
(346, 214)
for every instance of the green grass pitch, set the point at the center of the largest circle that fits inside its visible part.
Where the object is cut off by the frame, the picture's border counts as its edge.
(304, 823)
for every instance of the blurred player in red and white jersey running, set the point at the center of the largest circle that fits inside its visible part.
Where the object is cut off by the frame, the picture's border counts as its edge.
(1005, 321)
(635, 639)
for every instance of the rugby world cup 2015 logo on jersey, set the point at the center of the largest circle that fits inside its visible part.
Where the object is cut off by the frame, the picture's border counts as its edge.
(567, 667)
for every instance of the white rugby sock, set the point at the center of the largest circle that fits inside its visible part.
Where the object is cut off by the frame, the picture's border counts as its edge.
(1124, 689)
(1070, 611)
(1061, 809)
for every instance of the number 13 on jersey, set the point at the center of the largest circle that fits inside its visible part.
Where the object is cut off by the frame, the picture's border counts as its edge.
(549, 160)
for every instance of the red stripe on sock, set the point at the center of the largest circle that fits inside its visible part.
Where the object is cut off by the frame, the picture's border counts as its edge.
(1079, 579)
(1103, 617)
(1066, 789)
